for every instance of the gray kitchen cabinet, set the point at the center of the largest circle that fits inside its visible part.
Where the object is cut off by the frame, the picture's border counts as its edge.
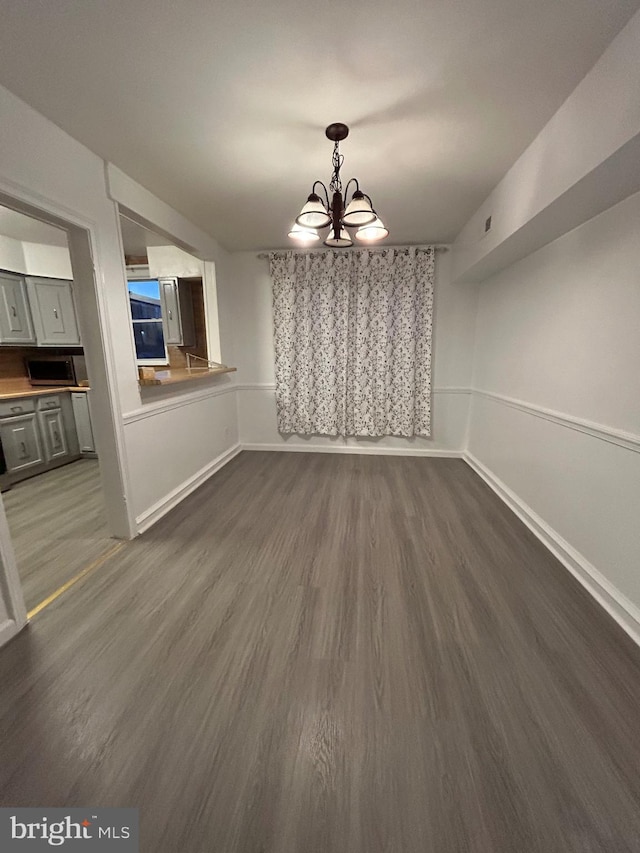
(53, 311)
(53, 434)
(82, 417)
(177, 312)
(21, 442)
(171, 311)
(38, 433)
(68, 421)
(15, 317)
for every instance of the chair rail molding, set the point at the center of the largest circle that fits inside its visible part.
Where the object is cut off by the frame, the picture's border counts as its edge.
(157, 407)
(271, 386)
(628, 440)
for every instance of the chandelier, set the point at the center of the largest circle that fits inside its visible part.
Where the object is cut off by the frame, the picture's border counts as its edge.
(337, 214)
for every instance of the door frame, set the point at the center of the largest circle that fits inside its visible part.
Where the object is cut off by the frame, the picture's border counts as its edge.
(90, 301)
(10, 585)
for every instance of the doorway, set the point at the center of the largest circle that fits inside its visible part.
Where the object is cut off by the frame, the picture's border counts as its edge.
(62, 510)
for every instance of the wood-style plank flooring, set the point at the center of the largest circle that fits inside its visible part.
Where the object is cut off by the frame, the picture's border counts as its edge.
(332, 654)
(58, 526)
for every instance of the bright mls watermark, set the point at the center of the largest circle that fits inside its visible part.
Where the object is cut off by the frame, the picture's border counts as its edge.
(69, 829)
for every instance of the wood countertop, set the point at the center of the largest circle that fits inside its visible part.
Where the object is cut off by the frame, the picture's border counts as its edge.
(183, 374)
(11, 389)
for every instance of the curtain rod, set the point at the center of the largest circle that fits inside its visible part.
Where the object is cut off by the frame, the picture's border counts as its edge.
(264, 256)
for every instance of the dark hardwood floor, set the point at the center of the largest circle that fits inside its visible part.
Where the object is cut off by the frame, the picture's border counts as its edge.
(58, 525)
(332, 654)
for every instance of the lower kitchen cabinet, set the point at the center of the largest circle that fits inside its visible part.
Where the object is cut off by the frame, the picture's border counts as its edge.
(53, 433)
(21, 443)
(82, 416)
(37, 433)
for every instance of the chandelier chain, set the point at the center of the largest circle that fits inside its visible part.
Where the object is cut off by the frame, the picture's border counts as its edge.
(337, 160)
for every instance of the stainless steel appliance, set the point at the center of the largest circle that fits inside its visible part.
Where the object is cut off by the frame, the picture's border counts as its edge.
(57, 370)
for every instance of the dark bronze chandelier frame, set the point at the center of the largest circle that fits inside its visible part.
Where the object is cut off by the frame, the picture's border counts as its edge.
(335, 202)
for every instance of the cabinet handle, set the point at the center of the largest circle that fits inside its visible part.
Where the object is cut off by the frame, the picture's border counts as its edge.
(56, 437)
(24, 448)
(13, 311)
(16, 408)
(55, 313)
(170, 314)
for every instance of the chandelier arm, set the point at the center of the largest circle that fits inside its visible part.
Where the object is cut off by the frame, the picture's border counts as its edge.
(350, 181)
(326, 193)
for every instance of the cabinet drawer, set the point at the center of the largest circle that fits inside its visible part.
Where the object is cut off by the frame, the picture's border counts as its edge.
(10, 408)
(45, 403)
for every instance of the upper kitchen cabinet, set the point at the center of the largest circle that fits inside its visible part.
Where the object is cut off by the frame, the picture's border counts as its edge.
(15, 318)
(53, 312)
(171, 311)
(177, 312)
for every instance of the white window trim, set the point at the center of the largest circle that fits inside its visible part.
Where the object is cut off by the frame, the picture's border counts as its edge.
(150, 362)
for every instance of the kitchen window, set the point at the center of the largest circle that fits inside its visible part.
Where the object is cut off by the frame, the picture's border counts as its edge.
(146, 316)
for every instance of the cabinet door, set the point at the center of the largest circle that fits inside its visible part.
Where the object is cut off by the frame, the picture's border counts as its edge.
(15, 319)
(53, 312)
(21, 442)
(171, 311)
(83, 422)
(52, 427)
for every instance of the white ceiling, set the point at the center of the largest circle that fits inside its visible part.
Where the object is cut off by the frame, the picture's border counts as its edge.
(220, 107)
(24, 228)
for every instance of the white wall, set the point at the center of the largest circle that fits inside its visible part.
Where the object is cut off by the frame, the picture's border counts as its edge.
(555, 414)
(176, 438)
(11, 255)
(454, 308)
(558, 351)
(203, 425)
(581, 163)
(34, 258)
(169, 260)
(51, 261)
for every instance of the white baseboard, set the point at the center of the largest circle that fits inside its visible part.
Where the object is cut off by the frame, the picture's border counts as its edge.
(149, 517)
(353, 449)
(606, 594)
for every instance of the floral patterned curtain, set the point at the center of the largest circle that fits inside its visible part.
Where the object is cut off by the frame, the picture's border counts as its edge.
(353, 341)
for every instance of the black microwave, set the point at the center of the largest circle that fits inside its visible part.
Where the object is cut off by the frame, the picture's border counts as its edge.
(57, 370)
